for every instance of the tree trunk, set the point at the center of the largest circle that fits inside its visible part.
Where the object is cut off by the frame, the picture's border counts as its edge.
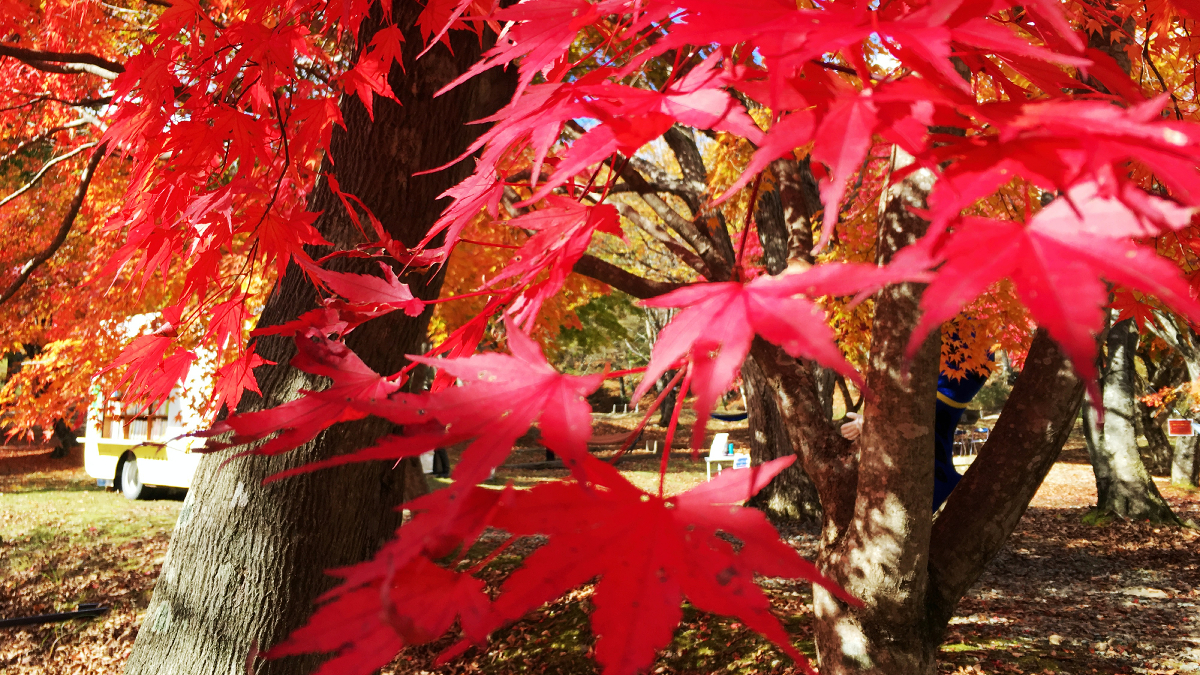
(1167, 372)
(882, 554)
(1123, 486)
(246, 561)
(785, 232)
(1156, 455)
(790, 496)
(878, 535)
(1185, 463)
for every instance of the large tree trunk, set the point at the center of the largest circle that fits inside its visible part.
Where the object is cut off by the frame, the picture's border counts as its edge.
(246, 561)
(1123, 486)
(881, 556)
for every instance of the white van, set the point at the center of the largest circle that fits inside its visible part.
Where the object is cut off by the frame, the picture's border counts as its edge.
(134, 448)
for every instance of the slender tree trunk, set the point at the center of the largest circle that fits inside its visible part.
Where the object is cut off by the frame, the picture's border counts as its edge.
(1123, 486)
(791, 495)
(1158, 451)
(785, 232)
(1185, 462)
(246, 561)
(1156, 454)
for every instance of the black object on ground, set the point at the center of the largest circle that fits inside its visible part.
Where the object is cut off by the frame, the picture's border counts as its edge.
(85, 611)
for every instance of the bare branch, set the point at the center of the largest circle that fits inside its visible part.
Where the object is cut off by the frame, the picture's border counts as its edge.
(40, 137)
(673, 187)
(69, 69)
(37, 177)
(651, 228)
(638, 287)
(700, 241)
(63, 229)
(682, 142)
(71, 58)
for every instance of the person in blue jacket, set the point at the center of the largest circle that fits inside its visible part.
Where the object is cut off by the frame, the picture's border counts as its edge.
(953, 395)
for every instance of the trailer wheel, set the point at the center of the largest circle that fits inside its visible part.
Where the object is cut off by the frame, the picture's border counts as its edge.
(128, 479)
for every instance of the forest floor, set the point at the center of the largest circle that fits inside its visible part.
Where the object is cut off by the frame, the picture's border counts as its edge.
(1061, 597)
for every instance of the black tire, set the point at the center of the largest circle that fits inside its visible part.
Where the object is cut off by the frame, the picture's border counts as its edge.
(128, 480)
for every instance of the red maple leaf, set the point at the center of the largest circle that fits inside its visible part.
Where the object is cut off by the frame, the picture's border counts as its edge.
(366, 289)
(649, 554)
(1129, 306)
(719, 320)
(500, 397)
(1059, 264)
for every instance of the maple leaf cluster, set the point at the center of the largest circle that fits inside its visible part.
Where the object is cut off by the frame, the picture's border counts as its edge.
(226, 112)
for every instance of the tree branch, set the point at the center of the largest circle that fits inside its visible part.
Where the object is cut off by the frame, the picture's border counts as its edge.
(699, 241)
(985, 507)
(691, 163)
(639, 287)
(31, 56)
(37, 177)
(40, 137)
(651, 228)
(682, 142)
(63, 229)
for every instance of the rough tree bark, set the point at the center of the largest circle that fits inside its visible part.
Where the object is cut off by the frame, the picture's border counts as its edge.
(878, 536)
(1156, 455)
(881, 555)
(1123, 486)
(784, 219)
(247, 561)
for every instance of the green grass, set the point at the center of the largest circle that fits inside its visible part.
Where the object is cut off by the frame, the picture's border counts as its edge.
(51, 507)
(38, 523)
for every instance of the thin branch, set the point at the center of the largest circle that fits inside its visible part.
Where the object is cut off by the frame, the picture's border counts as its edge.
(639, 287)
(82, 103)
(835, 67)
(1150, 62)
(700, 242)
(651, 228)
(673, 187)
(42, 172)
(63, 229)
(39, 138)
(73, 58)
